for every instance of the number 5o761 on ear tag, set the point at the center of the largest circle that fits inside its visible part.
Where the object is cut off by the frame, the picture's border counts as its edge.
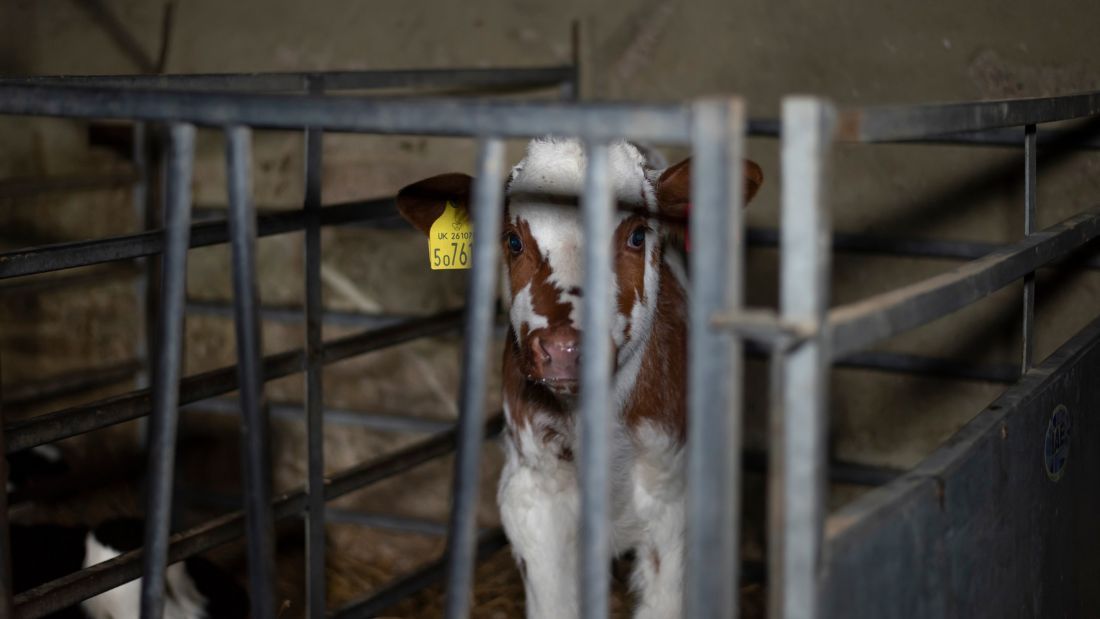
(451, 241)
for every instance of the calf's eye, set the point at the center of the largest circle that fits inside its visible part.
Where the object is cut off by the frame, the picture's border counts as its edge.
(515, 244)
(637, 238)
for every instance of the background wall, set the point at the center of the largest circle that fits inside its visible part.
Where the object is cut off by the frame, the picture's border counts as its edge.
(856, 53)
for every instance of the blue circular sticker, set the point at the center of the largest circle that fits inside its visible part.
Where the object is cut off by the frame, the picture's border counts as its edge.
(1056, 444)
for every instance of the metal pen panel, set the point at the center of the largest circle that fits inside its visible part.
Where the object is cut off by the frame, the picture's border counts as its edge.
(798, 450)
(906, 122)
(1031, 145)
(314, 386)
(57, 425)
(715, 363)
(80, 585)
(477, 79)
(167, 362)
(596, 422)
(383, 116)
(859, 325)
(256, 454)
(481, 293)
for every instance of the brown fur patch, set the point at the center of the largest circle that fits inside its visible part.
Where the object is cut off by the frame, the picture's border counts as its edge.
(660, 390)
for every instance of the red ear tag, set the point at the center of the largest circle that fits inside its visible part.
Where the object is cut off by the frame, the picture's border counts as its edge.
(687, 228)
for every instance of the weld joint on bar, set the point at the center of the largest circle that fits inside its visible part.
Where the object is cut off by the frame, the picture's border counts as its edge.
(766, 328)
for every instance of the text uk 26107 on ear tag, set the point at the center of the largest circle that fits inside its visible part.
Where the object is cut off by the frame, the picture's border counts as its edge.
(451, 241)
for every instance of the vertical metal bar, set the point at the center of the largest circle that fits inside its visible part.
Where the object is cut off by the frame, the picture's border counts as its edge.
(481, 307)
(6, 593)
(594, 459)
(797, 474)
(315, 483)
(1031, 135)
(161, 443)
(254, 414)
(715, 363)
(140, 196)
(571, 90)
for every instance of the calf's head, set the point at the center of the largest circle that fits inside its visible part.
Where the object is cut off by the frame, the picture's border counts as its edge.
(541, 245)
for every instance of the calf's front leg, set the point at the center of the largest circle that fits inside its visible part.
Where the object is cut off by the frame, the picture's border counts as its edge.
(538, 508)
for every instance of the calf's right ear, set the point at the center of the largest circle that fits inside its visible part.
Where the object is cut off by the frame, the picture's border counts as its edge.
(423, 202)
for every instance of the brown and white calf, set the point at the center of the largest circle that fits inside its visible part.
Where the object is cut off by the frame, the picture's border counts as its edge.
(541, 245)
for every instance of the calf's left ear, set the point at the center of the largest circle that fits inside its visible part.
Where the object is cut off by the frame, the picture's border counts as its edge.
(423, 202)
(674, 187)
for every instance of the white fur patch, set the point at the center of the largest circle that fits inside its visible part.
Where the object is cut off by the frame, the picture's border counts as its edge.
(182, 597)
(523, 312)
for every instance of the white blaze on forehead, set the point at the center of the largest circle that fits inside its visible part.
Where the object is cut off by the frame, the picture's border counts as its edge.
(557, 167)
(523, 312)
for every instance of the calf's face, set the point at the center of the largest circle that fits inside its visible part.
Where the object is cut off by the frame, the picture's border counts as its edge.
(541, 245)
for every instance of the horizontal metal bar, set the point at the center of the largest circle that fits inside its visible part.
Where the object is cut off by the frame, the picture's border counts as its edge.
(293, 314)
(394, 522)
(666, 123)
(858, 325)
(81, 585)
(386, 422)
(103, 413)
(528, 78)
(1009, 137)
(929, 366)
(83, 253)
(53, 387)
(14, 289)
(489, 542)
(840, 472)
(36, 185)
(763, 326)
(890, 246)
(906, 122)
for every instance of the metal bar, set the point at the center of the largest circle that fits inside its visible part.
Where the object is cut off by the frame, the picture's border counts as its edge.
(295, 315)
(715, 364)
(385, 422)
(1030, 198)
(840, 472)
(83, 584)
(403, 524)
(256, 461)
(906, 122)
(83, 253)
(1007, 136)
(889, 246)
(488, 544)
(68, 422)
(394, 522)
(143, 286)
(481, 293)
(37, 185)
(595, 423)
(314, 385)
(859, 325)
(930, 366)
(53, 387)
(665, 123)
(799, 455)
(167, 359)
(525, 78)
(113, 27)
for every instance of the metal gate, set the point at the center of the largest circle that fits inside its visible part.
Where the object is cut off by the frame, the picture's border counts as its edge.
(803, 338)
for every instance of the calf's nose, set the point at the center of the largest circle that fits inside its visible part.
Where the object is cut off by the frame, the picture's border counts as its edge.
(556, 354)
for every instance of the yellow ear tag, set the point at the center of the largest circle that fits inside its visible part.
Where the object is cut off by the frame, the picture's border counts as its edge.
(451, 241)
